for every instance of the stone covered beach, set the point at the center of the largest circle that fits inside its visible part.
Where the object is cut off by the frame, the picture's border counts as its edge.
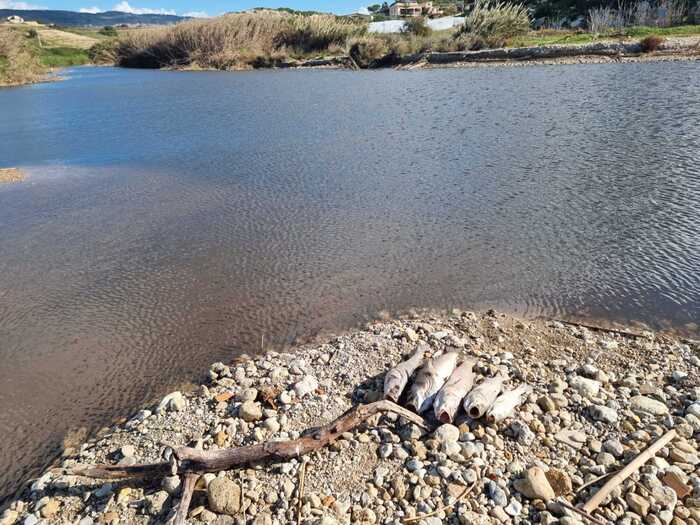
(599, 399)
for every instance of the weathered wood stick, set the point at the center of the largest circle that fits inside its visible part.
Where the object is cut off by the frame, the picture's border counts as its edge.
(395, 380)
(582, 513)
(187, 489)
(626, 472)
(191, 460)
(300, 490)
(450, 396)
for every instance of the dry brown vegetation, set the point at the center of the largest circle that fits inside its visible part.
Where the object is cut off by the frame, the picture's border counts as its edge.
(235, 41)
(651, 43)
(270, 38)
(18, 65)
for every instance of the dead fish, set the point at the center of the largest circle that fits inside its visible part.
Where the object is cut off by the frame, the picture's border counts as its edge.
(480, 399)
(450, 396)
(506, 403)
(429, 380)
(395, 380)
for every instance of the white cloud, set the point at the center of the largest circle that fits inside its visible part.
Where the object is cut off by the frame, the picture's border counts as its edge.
(124, 7)
(362, 11)
(9, 4)
(196, 14)
(92, 10)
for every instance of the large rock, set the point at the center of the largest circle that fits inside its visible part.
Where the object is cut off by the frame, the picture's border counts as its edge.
(447, 434)
(584, 386)
(647, 405)
(638, 504)
(224, 496)
(307, 385)
(534, 485)
(250, 411)
(603, 413)
(174, 402)
(559, 481)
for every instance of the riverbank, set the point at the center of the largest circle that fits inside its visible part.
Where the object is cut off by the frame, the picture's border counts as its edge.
(674, 49)
(600, 397)
(687, 48)
(30, 53)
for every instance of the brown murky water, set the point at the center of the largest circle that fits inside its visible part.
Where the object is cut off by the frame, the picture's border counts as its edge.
(171, 220)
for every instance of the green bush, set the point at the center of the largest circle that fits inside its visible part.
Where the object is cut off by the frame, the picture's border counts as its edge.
(368, 51)
(416, 26)
(108, 31)
(491, 24)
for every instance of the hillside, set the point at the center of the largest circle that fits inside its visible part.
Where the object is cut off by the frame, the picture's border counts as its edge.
(73, 19)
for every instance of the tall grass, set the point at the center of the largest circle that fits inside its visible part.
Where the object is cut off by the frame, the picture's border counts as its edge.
(234, 41)
(18, 65)
(663, 13)
(491, 24)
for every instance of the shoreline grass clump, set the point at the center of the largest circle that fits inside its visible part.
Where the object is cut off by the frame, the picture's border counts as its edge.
(651, 43)
(491, 24)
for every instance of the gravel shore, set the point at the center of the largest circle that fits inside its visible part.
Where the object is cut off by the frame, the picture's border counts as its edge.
(600, 398)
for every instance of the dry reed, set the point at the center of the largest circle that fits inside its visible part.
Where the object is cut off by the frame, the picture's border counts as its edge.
(235, 40)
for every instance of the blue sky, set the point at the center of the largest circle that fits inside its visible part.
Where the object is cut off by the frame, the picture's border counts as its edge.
(182, 7)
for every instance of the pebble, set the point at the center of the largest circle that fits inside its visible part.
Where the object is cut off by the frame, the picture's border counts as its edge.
(534, 485)
(586, 387)
(604, 414)
(647, 405)
(447, 434)
(496, 493)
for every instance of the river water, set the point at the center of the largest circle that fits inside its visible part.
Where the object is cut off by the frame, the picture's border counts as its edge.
(170, 220)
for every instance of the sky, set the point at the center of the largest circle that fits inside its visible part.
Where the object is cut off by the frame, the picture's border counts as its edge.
(183, 7)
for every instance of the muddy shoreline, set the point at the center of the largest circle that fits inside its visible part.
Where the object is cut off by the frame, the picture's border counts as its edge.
(600, 397)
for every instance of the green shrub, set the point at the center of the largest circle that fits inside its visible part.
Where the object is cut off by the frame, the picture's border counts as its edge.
(416, 26)
(369, 50)
(108, 31)
(491, 24)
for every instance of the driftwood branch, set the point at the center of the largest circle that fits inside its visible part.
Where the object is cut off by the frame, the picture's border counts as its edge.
(187, 490)
(191, 463)
(582, 513)
(626, 472)
(194, 460)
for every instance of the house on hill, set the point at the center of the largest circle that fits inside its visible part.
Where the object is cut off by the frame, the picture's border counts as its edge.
(14, 19)
(412, 9)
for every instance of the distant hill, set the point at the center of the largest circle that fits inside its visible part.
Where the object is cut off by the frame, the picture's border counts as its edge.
(71, 18)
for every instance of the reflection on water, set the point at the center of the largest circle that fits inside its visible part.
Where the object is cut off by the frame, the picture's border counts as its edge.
(171, 220)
